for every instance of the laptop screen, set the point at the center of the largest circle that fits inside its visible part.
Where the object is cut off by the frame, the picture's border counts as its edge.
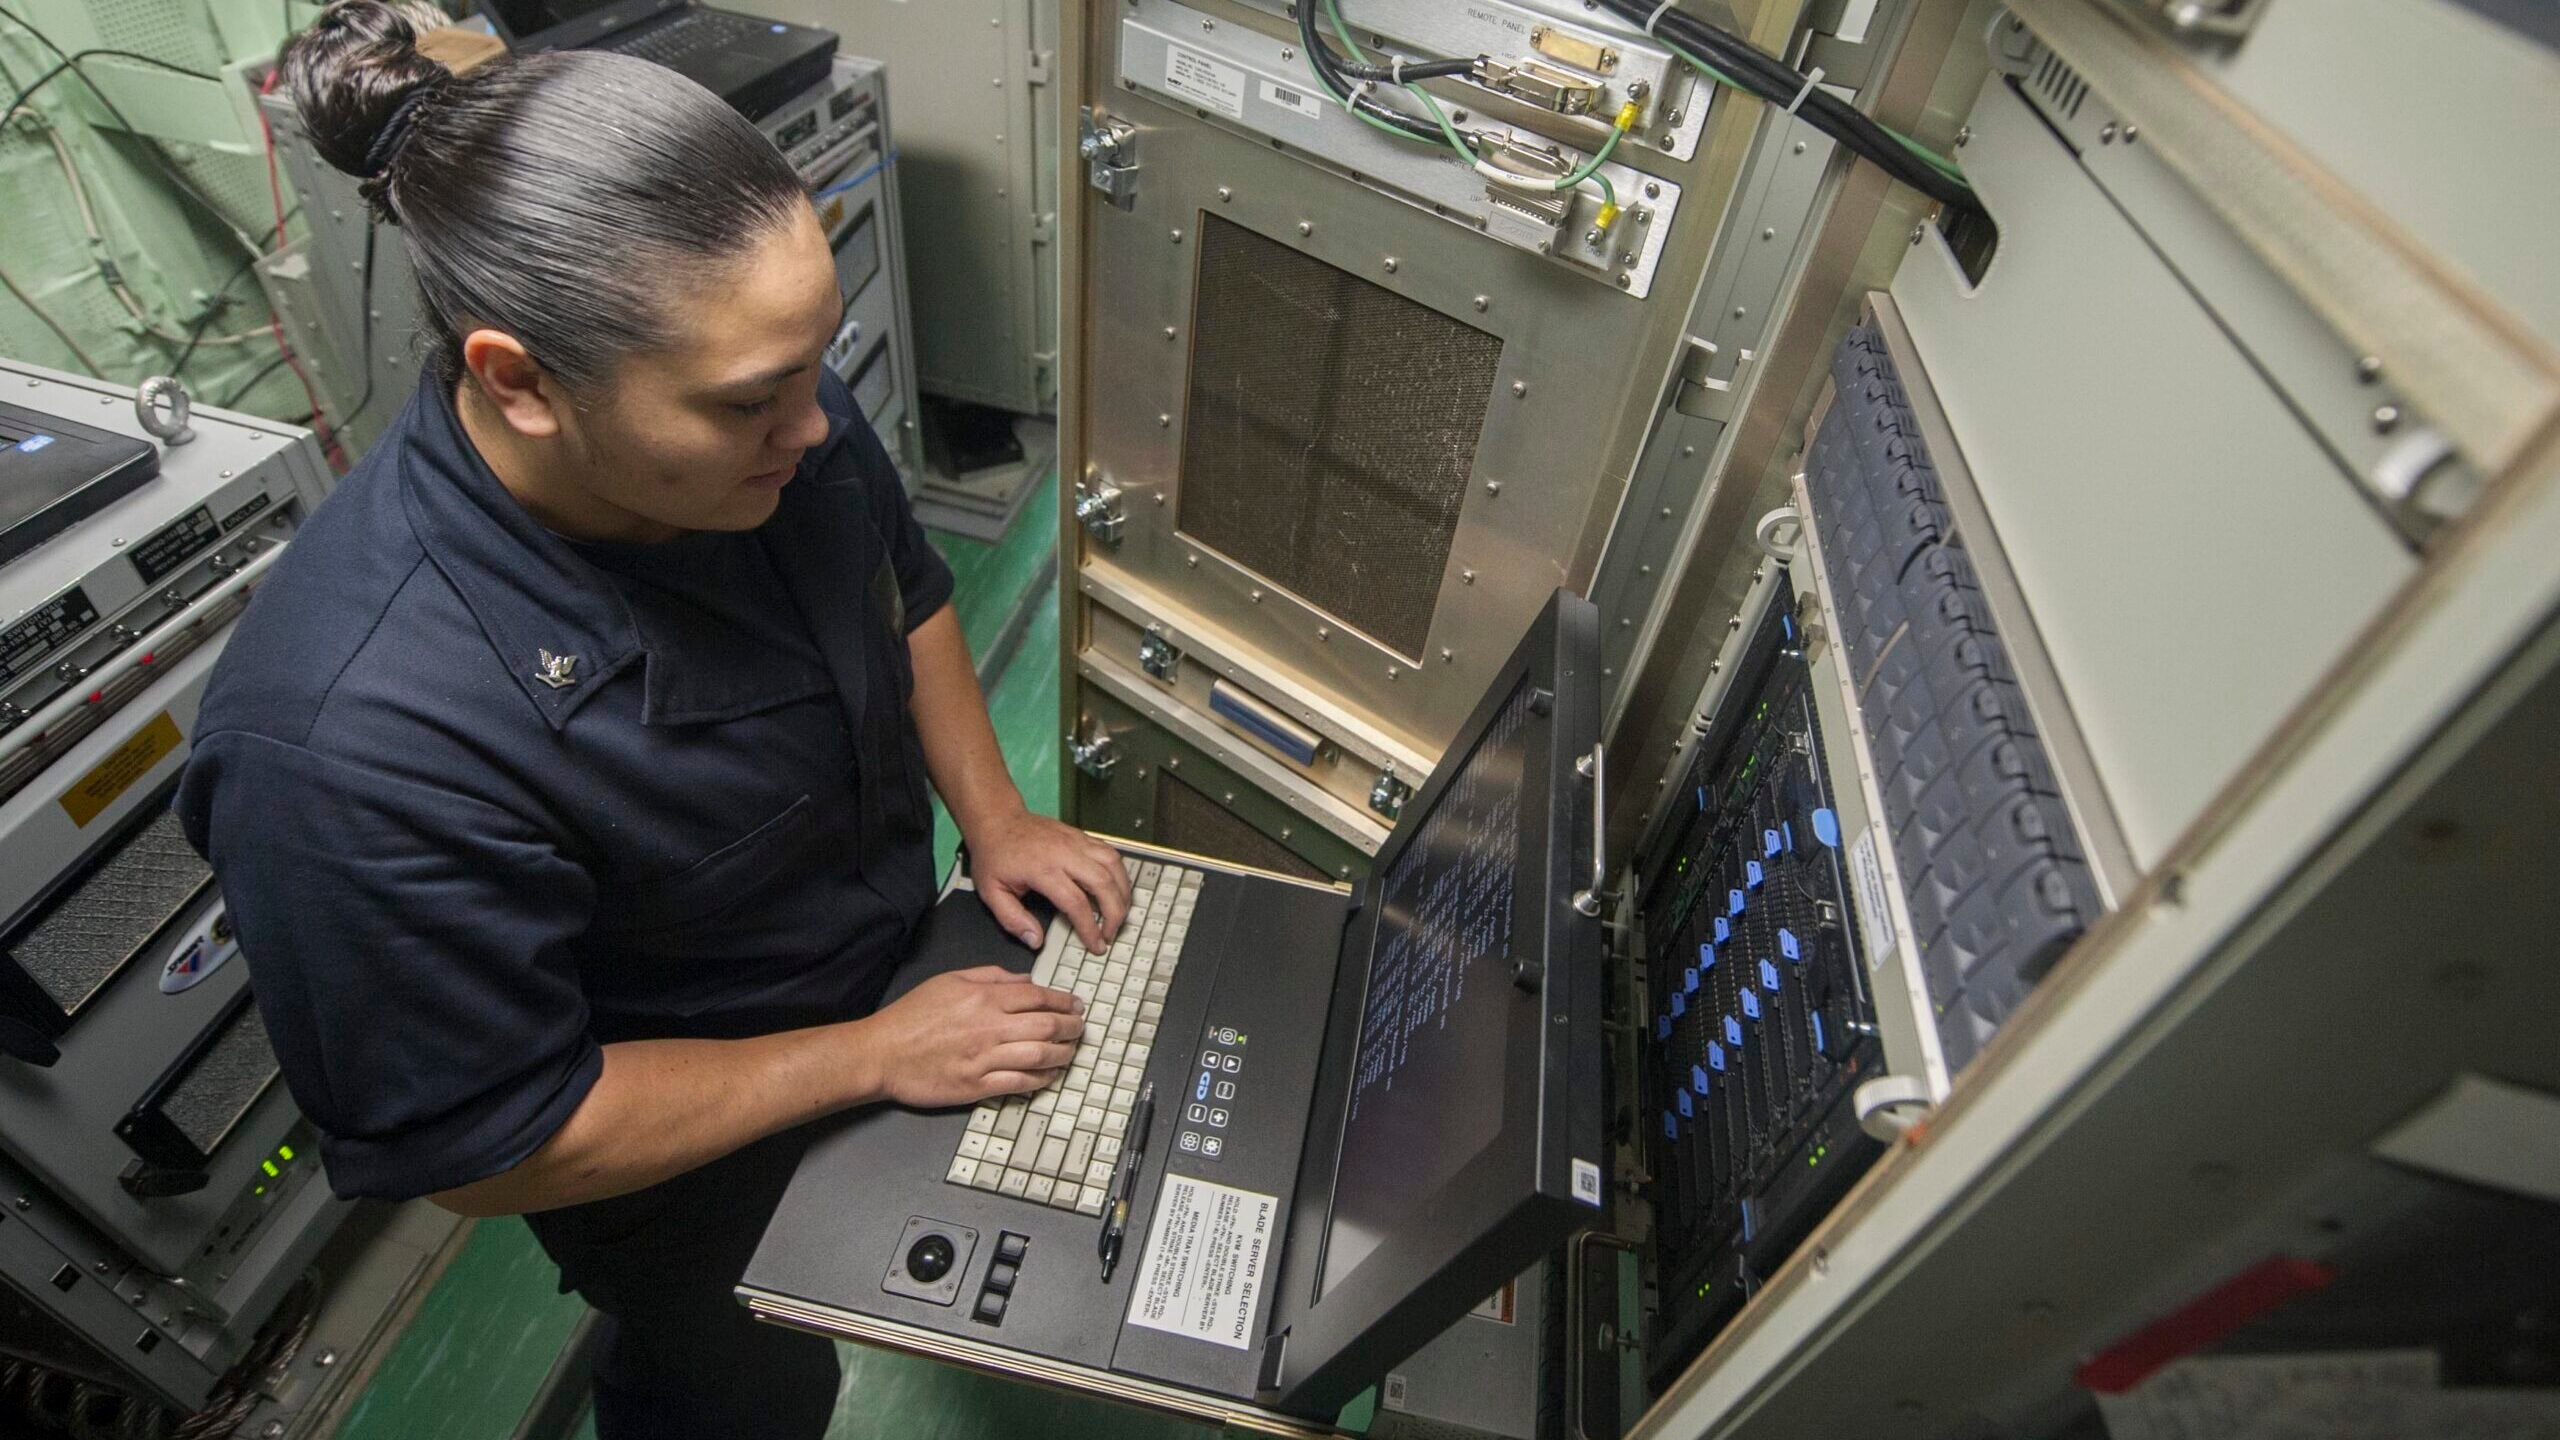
(1426, 1087)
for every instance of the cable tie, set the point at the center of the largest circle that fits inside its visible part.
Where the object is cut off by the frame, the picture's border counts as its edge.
(1650, 20)
(1809, 82)
(1395, 68)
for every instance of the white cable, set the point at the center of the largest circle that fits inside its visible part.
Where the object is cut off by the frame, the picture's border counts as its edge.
(98, 241)
(1809, 82)
(1651, 20)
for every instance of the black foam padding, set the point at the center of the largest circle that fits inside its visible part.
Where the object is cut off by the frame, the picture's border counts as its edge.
(1998, 884)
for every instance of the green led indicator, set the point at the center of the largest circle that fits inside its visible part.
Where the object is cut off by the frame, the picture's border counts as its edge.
(284, 1152)
(270, 1167)
(261, 1190)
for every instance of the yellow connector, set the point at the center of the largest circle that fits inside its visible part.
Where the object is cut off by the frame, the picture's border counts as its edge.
(1626, 117)
(1608, 214)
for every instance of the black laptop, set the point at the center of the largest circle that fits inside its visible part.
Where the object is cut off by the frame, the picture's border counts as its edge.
(755, 64)
(1326, 1121)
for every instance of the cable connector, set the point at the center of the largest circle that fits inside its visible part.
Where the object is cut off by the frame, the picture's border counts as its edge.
(1608, 215)
(1626, 120)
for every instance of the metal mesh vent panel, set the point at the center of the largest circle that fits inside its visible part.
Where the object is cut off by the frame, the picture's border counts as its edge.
(1187, 819)
(224, 1081)
(1329, 432)
(88, 932)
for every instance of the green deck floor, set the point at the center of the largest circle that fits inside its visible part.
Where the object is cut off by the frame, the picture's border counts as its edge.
(483, 1340)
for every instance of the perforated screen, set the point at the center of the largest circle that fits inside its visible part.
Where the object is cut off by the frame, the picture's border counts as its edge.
(88, 932)
(1186, 819)
(1329, 431)
(225, 1080)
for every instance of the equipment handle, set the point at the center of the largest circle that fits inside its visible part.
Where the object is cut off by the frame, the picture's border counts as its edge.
(1595, 767)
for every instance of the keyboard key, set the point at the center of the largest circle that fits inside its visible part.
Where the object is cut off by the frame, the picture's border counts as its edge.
(1078, 1119)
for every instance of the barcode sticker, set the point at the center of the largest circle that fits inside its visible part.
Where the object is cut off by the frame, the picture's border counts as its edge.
(1213, 83)
(1586, 1182)
(1298, 100)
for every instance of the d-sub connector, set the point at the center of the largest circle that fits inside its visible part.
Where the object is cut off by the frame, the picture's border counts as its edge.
(1529, 218)
(1538, 83)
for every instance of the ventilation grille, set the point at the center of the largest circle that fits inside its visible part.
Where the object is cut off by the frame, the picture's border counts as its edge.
(87, 933)
(1329, 432)
(2061, 85)
(225, 1080)
(1187, 819)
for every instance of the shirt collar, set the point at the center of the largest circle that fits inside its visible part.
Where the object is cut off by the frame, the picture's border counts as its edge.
(551, 615)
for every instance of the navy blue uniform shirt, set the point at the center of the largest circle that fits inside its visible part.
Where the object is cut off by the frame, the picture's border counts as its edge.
(479, 806)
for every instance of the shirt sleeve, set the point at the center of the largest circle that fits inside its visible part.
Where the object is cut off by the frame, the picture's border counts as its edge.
(409, 947)
(924, 580)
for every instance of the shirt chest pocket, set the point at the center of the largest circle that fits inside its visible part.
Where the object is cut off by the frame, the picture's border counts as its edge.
(767, 858)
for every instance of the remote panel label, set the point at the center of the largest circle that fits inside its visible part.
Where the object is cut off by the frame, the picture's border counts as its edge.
(1213, 83)
(1206, 1250)
(1875, 922)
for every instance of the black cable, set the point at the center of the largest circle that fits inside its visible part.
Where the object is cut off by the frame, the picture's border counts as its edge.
(1773, 80)
(1329, 70)
(159, 157)
(251, 383)
(371, 227)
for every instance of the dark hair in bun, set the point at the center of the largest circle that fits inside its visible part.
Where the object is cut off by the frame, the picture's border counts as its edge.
(562, 197)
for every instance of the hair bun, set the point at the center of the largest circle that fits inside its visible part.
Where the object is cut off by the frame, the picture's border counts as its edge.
(357, 76)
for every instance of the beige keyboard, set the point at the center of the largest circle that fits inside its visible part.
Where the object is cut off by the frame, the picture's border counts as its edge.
(1059, 1145)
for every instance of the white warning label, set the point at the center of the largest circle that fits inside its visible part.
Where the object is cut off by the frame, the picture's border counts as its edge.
(1206, 1249)
(1867, 873)
(1213, 83)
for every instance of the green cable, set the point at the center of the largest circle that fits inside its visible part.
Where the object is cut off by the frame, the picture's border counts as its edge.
(1588, 171)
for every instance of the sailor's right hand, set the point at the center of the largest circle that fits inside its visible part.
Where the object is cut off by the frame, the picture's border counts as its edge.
(961, 1037)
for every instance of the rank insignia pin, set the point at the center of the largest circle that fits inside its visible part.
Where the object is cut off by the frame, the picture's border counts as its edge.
(555, 670)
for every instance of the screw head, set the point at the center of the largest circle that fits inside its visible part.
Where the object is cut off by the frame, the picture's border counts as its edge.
(1466, 577)
(1225, 194)
(1391, 264)
(2386, 418)
(1493, 487)
(1306, 227)
(1519, 388)
(2368, 368)
(1917, 231)
(1483, 303)
(1653, 190)
(1177, 237)
(1168, 332)
(2107, 133)
(1964, 136)
(1163, 419)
